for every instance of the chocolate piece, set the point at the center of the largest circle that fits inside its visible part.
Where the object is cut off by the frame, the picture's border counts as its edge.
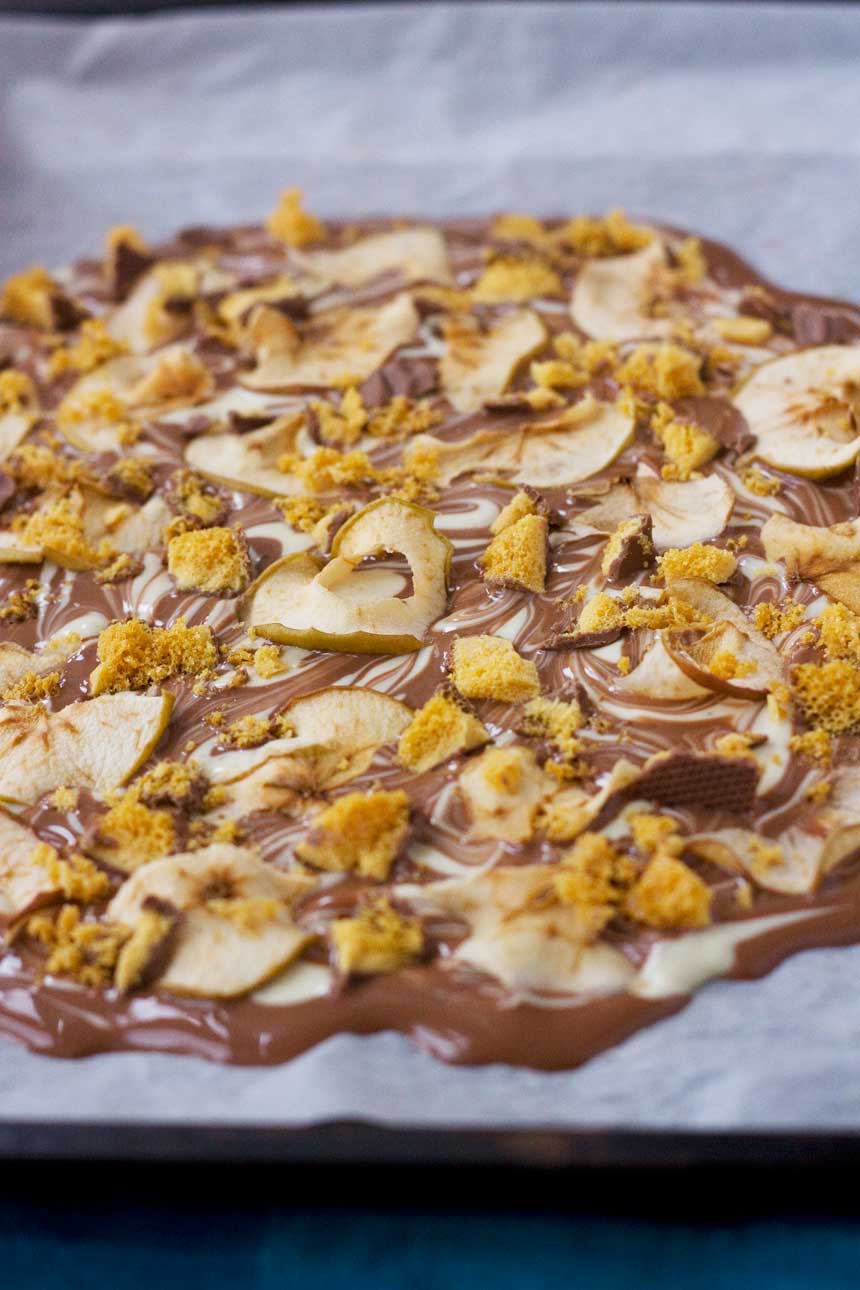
(124, 266)
(636, 551)
(704, 780)
(819, 325)
(717, 417)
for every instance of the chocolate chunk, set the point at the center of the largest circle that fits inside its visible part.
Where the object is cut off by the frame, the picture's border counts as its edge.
(635, 552)
(412, 378)
(717, 417)
(572, 639)
(756, 302)
(124, 266)
(698, 779)
(244, 422)
(516, 401)
(195, 425)
(7, 488)
(66, 312)
(824, 325)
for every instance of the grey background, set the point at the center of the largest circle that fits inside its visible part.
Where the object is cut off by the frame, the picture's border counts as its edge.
(740, 122)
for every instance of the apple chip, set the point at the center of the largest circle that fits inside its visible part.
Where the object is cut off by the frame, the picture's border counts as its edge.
(96, 744)
(681, 513)
(235, 929)
(610, 296)
(16, 663)
(250, 460)
(334, 606)
(19, 409)
(336, 734)
(578, 443)
(732, 656)
(793, 866)
(23, 882)
(804, 410)
(415, 254)
(94, 416)
(342, 347)
(658, 676)
(828, 556)
(479, 364)
(521, 934)
(503, 789)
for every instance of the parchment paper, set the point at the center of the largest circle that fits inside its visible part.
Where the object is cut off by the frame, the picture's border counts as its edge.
(739, 121)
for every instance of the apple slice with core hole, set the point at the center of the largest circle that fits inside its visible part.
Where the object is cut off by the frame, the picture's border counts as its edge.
(609, 300)
(298, 601)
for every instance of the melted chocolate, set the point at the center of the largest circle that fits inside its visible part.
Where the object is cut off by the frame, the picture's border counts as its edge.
(457, 1014)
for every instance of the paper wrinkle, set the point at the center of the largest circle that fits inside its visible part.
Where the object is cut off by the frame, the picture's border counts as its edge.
(732, 120)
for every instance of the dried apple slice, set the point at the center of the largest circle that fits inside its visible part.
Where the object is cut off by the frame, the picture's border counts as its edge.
(793, 866)
(249, 461)
(336, 733)
(298, 601)
(96, 744)
(828, 556)
(804, 410)
(520, 934)
(581, 441)
(681, 513)
(415, 254)
(17, 420)
(503, 789)
(16, 662)
(658, 676)
(610, 296)
(684, 513)
(343, 347)
(235, 929)
(707, 658)
(479, 364)
(23, 882)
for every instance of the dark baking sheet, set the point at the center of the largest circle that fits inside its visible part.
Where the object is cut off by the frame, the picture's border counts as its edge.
(353, 1143)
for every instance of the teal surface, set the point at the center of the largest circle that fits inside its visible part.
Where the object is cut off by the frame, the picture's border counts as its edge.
(158, 1248)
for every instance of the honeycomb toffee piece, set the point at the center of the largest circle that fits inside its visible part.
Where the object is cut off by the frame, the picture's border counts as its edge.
(443, 627)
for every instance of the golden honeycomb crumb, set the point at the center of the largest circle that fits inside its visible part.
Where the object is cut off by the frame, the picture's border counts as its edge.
(289, 222)
(509, 278)
(132, 833)
(614, 234)
(93, 347)
(326, 469)
(439, 730)
(59, 530)
(760, 484)
(38, 466)
(839, 633)
(122, 566)
(814, 744)
(358, 833)
(17, 391)
(624, 665)
(32, 687)
(773, 620)
(744, 331)
(518, 555)
(727, 666)
(192, 495)
(86, 951)
(736, 743)
(268, 662)
(245, 732)
(249, 914)
(214, 560)
(692, 265)
(378, 939)
(77, 878)
(402, 417)
(488, 667)
(600, 614)
(343, 425)
(669, 896)
(818, 792)
(100, 406)
(520, 505)
(670, 612)
(178, 376)
(23, 604)
(664, 371)
(305, 513)
(652, 833)
(828, 695)
(28, 298)
(169, 783)
(701, 560)
(593, 872)
(64, 799)
(556, 721)
(685, 444)
(556, 374)
(133, 655)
